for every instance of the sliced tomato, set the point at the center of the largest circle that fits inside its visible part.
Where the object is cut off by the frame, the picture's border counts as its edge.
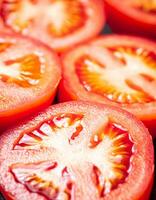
(29, 76)
(66, 152)
(132, 16)
(60, 24)
(118, 70)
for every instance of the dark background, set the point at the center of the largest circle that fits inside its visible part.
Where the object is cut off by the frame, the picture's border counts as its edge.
(153, 194)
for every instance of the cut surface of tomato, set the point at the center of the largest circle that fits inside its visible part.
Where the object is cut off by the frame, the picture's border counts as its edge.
(29, 76)
(60, 24)
(66, 152)
(119, 70)
(132, 16)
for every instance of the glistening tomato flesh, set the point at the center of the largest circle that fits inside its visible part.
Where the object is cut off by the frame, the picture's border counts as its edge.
(77, 150)
(119, 70)
(29, 76)
(60, 24)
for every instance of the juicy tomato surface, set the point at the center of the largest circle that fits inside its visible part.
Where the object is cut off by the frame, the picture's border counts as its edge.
(29, 76)
(61, 24)
(118, 70)
(77, 150)
(132, 16)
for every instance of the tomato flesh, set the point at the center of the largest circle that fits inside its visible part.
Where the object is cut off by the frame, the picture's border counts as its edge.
(24, 79)
(74, 19)
(110, 71)
(56, 154)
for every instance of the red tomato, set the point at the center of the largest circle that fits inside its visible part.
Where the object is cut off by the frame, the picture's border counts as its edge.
(77, 150)
(29, 76)
(61, 24)
(132, 16)
(117, 70)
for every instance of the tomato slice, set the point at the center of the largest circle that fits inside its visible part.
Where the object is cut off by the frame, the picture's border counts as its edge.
(29, 76)
(118, 70)
(132, 16)
(66, 152)
(60, 24)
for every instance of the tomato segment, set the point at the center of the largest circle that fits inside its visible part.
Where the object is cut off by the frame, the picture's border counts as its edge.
(106, 153)
(29, 75)
(118, 70)
(64, 23)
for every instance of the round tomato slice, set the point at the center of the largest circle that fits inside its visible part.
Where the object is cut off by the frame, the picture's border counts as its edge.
(60, 24)
(67, 153)
(29, 76)
(118, 70)
(132, 16)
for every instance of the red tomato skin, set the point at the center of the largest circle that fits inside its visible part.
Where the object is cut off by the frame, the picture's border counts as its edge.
(64, 93)
(150, 124)
(5, 195)
(8, 121)
(120, 22)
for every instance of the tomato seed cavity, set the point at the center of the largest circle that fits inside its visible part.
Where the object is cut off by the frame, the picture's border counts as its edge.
(41, 135)
(119, 154)
(24, 72)
(70, 15)
(115, 83)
